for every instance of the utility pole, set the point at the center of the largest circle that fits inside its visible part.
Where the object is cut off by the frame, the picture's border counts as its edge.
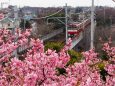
(9, 2)
(92, 25)
(24, 24)
(66, 22)
(83, 19)
(110, 21)
(104, 16)
(15, 27)
(2, 4)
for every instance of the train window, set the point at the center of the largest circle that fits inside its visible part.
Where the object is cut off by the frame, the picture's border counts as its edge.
(71, 35)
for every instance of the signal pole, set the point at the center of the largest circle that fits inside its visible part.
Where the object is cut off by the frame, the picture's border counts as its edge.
(66, 21)
(92, 25)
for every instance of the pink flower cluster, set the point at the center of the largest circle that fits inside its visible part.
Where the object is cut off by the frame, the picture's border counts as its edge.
(110, 50)
(40, 68)
(10, 42)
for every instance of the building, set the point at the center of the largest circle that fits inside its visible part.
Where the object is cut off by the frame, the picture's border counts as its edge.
(8, 23)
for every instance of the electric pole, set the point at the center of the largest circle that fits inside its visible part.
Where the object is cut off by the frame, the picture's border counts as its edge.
(110, 21)
(66, 21)
(15, 27)
(104, 17)
(83, 19)
(92, 25)
(2, 4)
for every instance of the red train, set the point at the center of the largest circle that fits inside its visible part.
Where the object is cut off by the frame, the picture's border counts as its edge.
(80, 25)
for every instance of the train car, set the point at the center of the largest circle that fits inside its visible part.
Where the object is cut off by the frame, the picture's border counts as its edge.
(73, 25)
(73, 33)
(81, 25)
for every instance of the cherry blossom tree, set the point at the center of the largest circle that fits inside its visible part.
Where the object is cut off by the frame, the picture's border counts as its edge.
(49, 68)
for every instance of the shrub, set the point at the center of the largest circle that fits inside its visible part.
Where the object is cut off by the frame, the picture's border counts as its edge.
(75, 57)
(54, 46)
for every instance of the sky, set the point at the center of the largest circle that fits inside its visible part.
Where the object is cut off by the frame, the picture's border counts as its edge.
(56, 3)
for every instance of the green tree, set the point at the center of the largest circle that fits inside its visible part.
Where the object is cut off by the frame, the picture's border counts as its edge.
(25, 24)
(75, 56)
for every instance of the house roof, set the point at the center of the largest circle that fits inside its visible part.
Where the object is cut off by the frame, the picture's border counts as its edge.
(6, 19)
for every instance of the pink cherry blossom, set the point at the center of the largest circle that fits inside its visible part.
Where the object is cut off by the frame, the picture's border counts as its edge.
(40, 68)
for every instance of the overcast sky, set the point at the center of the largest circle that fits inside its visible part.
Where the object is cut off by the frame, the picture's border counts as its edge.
(50, 3)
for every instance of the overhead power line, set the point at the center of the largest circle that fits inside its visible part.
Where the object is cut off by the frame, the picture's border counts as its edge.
(50, 15)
